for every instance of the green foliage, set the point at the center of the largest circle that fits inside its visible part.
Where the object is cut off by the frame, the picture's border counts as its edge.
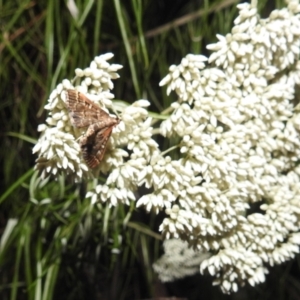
(55, 244)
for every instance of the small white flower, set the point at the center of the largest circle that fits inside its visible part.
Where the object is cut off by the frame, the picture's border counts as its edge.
(156, 201)
(112, 195)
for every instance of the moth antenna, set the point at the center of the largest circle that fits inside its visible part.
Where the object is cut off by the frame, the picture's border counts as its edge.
(79, 138)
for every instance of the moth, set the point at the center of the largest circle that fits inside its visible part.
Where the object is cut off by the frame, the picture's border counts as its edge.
(85, 113)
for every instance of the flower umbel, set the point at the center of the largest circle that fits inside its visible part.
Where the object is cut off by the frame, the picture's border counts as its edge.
(238, 129)
(239, 133)
(57, 148)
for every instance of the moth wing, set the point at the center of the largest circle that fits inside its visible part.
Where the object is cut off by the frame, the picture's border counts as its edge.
(94, 143)
(83, 112)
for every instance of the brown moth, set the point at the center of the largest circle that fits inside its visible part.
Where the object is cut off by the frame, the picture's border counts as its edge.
(85, 113)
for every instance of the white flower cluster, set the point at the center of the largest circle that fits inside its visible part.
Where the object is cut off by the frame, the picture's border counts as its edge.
(129, 149)
(240, 137)
(58, 150)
